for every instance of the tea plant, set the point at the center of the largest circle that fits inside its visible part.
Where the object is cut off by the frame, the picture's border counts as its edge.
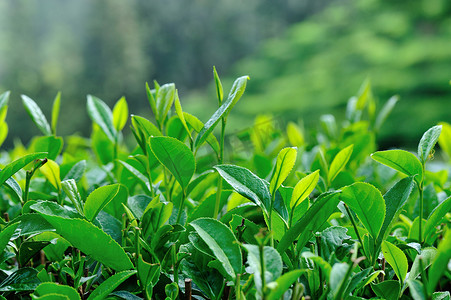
(176, 216)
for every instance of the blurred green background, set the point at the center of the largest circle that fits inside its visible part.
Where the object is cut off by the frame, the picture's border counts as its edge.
(305, 58)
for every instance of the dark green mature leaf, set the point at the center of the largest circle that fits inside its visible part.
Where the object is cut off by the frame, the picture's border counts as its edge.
(436, 216)
(427, 142)
(143, 129)
(175, 156)
(338, 278)
(222, 243)
(36, 115)
(246, 184)
(106, 287)
(440, 296)
(441, 261)
(50, 144)
(71, 190)
(310, 222)
(98, 199)
(15, 188)
(164, 99)
(396, 258)
(339, 162)
(235, 94)
(88, 238)
(32, 224)
(58, 291)
(24, 279)
(6, 234)
(77, 171)
(388, 289)
(101, 114)
(332, 238)
(272, 264)
(367, 202)
(285, 162)
(400, 160)
(147, 273)
(28, 249)
(11, 169)
(395, 199)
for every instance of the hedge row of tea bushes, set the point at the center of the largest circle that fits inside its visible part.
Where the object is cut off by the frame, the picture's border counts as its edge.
(182, 213)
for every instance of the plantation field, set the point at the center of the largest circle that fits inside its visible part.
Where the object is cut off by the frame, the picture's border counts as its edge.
(182, 209)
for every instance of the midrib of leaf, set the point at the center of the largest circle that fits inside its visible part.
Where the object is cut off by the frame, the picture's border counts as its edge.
(401, 167)
(280, 171)
(305, 190)
(365, 216)
(173, 164)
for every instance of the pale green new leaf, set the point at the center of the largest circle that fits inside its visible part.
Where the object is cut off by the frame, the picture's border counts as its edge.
(445, 138)
(285, 162)
(303, 188)
(367, 202)
(56, 111)
(70, 188)
(179, 112)
(219, 90)
(385, 111)
(36, 115)
(52, 290)
(283, 283)
(396, 258)
(339, 162)
(428, 141)
(51, 171)
(120, 114)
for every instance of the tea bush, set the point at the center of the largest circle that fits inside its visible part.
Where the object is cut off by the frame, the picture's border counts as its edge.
(176, 214)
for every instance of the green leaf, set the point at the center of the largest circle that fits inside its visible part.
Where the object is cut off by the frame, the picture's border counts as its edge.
(339, 162)
(388, 289)
(50, 144)
(303, 188)
(445, 138)
(441, 261)
(367, 202)
(51, 171)
(98, 199)
(218, 84)
(77, 171)
(24, 279)
(36, 115)
(222, 243)
(338, 278)
(4, 98)
(56, 111)
(285, 162)
(180, 115)
(120, 114)
(400, 160)
(397, 260)
(6, 234)
(137, 174)
(164, 99)
(310, 222)
(441, 296)
(71, 190)
(385, 111)
(147, 273)
(88, 239)
(436, 216)
(416, 290)
(427, 256)
(272, 264)
(197, 125)
(15, 188)
(395, 199)
(235, 94)
(58, 290)
(101, 114)
(155, 216)
(151, 97)
(28, 249)
(106, 287)
(427, 142)
(247, 184)
(175, 156)
(11, 169)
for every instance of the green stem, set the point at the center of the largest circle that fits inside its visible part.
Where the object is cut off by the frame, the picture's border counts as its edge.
(262, 264)
(182, 201)
(421, 189)
(355, 228)
(174, 265)
(238, 287)
(424, 278)
(220, 161)
(27, 187)
(273, 199)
